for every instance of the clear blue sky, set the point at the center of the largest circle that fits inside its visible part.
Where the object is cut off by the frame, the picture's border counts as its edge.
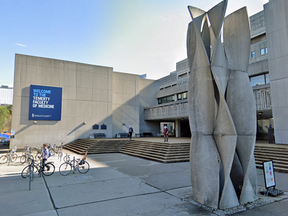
(132, 36)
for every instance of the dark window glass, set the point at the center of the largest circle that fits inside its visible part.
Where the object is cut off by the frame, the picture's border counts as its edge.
(170, 99)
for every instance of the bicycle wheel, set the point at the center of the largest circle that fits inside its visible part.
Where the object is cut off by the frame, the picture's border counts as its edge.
(84, 168)
(37, 157)
(49, 169)
(26, 171)
(65, 169)
(66, 158)
(3, 159)
(14, 157)
(22, 159)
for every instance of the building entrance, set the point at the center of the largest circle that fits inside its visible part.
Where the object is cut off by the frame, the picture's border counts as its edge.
(264, 120)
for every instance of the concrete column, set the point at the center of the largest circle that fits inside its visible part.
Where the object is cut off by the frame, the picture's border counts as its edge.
(177, 128)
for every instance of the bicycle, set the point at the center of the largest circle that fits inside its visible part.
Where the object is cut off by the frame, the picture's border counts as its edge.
(38, 152)
(26, 155)
(38, 169)
(10, 156)
(66, 158)
(76, 165)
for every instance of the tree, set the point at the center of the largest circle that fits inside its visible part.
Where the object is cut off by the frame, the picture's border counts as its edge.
(5, 119)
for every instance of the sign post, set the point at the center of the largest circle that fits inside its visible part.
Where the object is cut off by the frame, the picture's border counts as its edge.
(269, 178)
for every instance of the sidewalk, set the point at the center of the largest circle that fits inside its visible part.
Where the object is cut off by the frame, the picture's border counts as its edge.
(117, 184)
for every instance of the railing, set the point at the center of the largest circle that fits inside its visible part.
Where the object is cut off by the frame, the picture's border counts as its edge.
(179, 109)
(167, 111)
(262, 98)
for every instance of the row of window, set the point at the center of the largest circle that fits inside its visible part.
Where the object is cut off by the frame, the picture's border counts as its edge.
(263, 51)
(166, 99)
(255, 80)
(180, 96)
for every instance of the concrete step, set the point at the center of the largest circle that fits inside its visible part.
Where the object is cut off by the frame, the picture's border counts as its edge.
(163, 152)
(158, 152)
(278, 154)
(163, 155)
(166, 152)
(161, 159)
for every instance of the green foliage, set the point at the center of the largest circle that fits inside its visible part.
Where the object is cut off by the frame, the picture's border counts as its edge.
(5, 118)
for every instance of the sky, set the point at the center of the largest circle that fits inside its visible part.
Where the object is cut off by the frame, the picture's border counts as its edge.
(132, 36)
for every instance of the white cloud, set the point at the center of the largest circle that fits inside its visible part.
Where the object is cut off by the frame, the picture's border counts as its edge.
(18, 44)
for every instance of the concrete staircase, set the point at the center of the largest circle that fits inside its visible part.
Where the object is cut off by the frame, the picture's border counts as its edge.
(95, 146)
(278, 154)
(166, 152)
(79, 146)
(162, 152)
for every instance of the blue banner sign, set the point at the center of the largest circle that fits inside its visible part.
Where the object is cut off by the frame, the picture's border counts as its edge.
(45, 103)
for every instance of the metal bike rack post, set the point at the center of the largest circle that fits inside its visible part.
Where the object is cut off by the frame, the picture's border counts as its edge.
(73, 165)
(31, 173)
(9, 157)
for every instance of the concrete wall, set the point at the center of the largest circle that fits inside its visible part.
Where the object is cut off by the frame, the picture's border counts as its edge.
(86, 97)
(147, 97)
(276, 20)
(125, 102)
(91, 94)
(257, 23)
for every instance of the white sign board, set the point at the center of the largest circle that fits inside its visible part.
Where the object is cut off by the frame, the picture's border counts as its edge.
(269, 174)
(12, 134)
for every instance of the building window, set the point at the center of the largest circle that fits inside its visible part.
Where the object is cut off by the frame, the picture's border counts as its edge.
(170, 98)
(167, 99)
(95, 127)
(182, 75)
(260, 79)
(263, 51)
(182, 96)
(253, 54)
(267, 78)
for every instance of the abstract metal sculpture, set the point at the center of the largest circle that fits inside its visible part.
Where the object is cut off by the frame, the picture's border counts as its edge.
(222, 112)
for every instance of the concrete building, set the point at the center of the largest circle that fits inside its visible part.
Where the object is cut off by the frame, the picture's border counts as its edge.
(95, 99)
(6, 95)
(98, 100)
(268, 72)
(276, 20)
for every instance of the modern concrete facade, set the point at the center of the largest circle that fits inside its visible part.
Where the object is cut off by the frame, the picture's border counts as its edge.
(276, 20)
(99, 95)
(91, 95)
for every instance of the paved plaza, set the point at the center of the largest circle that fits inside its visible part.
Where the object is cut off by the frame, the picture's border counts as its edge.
(117, 184)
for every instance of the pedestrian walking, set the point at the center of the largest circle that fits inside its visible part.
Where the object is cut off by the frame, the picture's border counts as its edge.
(166, 133)
(130, 132)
